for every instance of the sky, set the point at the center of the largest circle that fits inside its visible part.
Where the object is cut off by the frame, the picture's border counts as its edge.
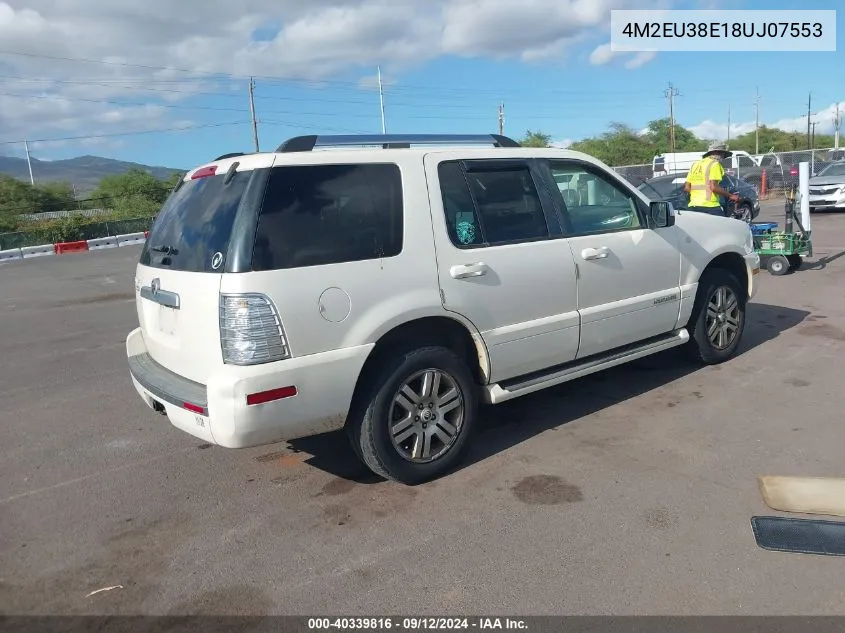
(152, 83)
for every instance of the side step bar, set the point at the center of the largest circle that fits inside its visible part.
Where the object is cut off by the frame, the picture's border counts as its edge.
(530, 383)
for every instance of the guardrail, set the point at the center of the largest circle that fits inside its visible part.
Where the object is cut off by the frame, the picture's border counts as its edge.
(38, 251)
(102, 242)
(10, 255)
(131, 238)
(61, 248)
(71, 247)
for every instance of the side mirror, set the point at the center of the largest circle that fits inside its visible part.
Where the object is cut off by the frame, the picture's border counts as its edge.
(662, 214)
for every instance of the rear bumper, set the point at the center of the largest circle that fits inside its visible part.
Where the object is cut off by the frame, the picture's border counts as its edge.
(218, 412)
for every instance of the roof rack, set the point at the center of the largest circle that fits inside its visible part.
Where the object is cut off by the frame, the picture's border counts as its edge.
(393, 141)
(232, 155)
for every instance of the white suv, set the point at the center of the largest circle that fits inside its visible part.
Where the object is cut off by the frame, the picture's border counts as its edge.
(388, 285)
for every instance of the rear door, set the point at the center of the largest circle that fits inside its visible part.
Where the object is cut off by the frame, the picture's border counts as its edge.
(178, 277)
(502, 262)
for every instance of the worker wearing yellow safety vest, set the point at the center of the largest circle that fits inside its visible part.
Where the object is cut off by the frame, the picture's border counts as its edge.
(703, 183)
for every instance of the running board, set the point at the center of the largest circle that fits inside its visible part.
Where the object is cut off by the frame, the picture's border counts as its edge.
(559, 374)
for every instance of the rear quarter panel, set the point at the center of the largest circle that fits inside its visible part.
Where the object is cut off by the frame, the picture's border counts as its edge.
(329, 307)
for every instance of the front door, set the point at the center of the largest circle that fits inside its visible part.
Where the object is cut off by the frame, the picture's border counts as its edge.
(628, 273)
(503, 263)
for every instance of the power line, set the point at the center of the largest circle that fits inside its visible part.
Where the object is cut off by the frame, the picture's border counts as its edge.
(331, 82)
(136, 133)
(174, 106)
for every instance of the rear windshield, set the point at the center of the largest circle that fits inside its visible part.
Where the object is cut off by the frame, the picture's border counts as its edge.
(327, 214)
(195, 224)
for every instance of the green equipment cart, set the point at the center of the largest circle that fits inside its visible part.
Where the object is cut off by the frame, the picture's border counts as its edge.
(782, 251)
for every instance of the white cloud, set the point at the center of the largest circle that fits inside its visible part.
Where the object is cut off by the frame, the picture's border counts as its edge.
(719, 131)
(640, 59)
(603, 54)
(280, 38)
(562, 144)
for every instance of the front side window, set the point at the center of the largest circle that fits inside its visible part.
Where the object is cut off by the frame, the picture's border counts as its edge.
(314, 215)
(594, 203)
(486, 207)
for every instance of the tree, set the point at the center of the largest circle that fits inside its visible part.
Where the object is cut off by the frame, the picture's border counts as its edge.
(658, 135)
(621, 145)
(135, 184)
(56, 196)
(536, 139)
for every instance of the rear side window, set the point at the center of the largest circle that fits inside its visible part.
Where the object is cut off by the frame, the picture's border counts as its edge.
(491, 207)
(191, 232)
(328, 214)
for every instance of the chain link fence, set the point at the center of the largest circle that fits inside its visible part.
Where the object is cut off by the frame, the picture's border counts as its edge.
(780, 168)
(90, 231)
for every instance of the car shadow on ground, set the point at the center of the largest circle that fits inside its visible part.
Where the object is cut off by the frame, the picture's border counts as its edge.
(821, 263)
(506, 425)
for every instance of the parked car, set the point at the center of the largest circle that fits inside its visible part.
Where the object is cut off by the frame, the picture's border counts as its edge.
(388, 289)
(827, 189)
(671, 189)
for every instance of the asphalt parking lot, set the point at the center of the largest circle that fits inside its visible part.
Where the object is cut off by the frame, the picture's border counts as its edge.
(628, 492)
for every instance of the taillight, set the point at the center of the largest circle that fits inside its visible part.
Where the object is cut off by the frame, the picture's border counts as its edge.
(204, 172)
(251, 331)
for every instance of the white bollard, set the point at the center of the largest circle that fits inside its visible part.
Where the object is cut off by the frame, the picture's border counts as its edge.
(804, 193)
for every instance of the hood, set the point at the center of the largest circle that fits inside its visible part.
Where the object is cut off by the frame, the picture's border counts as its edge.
(827, 180)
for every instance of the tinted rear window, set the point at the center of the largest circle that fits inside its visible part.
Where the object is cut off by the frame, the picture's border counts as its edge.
(195, 224)
(327, 214)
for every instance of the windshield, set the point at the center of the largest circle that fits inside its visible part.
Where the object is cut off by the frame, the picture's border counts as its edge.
(660, 189)
(195, 224)
(837, 169)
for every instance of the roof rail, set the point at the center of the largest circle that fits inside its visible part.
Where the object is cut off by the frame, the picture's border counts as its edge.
(232, 155)
(391, 141)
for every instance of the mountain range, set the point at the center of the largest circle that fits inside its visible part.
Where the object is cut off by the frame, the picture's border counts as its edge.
(83, 172)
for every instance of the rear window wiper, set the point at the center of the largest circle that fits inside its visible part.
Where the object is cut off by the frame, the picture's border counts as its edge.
(164, 248)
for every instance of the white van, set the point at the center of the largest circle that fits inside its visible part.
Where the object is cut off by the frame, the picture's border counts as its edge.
(681, 162)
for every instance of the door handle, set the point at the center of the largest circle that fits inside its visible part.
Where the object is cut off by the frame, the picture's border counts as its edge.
(595, 253)
(462, 271)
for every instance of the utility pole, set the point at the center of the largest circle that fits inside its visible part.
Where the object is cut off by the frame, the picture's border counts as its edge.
(252, 110)
(501, 118)
(729, 126)
(809, 117)
(837, 121)
(381, 102)
(757, 122)
(29, 162)
(671, 93)
(813, 135)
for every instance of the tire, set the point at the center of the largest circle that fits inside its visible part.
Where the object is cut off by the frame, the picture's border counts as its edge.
(720, 299)
(795, 261)
(744, 212)
(777, 265)
(401, 380)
